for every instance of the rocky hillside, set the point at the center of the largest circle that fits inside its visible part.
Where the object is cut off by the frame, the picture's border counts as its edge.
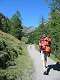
(28, 30)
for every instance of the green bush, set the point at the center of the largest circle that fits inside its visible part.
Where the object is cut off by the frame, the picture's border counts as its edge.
(13, 58)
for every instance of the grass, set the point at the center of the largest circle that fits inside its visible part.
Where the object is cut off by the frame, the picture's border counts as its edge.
(23, 67)
(52, 56)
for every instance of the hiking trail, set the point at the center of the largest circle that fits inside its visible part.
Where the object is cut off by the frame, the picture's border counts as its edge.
(54, 70)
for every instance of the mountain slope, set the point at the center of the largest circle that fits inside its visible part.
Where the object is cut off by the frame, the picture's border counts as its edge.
(13, 58)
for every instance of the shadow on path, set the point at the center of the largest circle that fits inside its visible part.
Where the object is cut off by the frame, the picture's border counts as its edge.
(54, 67)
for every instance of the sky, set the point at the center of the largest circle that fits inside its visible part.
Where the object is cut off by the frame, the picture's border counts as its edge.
(31, 10)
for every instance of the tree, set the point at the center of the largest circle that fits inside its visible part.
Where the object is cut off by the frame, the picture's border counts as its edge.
(53, 26)
(16, 25)
(35, 36)
(53, 4)
(4, 23)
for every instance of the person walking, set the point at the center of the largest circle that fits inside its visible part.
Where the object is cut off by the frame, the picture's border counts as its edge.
(45, 49)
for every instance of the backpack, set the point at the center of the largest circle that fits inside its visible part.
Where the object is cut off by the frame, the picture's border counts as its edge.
(47, 41)
(45, 45)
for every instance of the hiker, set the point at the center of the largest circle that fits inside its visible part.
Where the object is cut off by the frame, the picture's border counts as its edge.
(45, 49)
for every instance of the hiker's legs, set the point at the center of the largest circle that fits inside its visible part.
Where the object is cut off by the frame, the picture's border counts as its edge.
(44, 60)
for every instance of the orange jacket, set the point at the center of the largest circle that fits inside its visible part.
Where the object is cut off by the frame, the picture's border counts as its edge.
(44, 44)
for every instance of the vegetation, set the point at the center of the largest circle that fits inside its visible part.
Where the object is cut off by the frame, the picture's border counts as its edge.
(13, 59)
(13, 25)
(16, 25)
(13, 54)
(51, 27)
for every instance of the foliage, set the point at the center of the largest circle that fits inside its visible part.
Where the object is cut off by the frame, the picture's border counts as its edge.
(8, 50)
(51, 27)
(16, 25)
(4, 23)
(13, 59)
(55, 5)
(13, 25)
(35, 36)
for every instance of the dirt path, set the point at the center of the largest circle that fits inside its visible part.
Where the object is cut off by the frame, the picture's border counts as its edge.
(53, 69)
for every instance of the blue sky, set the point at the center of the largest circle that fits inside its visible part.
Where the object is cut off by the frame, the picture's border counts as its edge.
(31, 10)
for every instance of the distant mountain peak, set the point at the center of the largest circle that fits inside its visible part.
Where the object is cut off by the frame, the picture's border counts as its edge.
(28, 29)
